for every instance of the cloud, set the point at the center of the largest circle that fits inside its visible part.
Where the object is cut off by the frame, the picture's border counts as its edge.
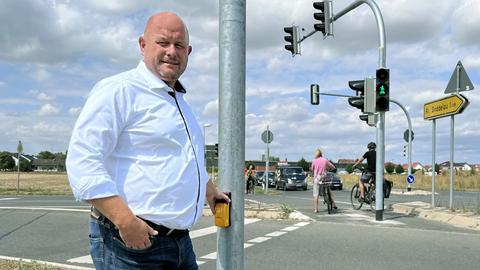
(2, 83)
(74, 111)
(49, 110)
(211, 109)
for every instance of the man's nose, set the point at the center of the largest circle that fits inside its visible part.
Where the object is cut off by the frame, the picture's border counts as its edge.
(171, 50)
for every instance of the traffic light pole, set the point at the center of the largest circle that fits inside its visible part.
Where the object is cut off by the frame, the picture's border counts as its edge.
(232, 35)
(409, 138)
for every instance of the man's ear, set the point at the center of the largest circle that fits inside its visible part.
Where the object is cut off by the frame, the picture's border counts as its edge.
(141, 44)
(189, 49)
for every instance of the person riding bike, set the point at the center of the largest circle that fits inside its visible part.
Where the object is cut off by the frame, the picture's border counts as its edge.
(370, 155)
(250, 179)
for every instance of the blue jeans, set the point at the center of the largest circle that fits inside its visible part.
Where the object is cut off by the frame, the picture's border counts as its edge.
(109, 252)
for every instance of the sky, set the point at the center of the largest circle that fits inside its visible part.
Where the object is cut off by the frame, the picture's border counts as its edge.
(52, 52)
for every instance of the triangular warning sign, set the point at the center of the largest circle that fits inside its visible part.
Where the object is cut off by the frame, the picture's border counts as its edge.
(462, 81)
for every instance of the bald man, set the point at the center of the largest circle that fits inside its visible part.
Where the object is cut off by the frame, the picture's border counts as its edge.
(136, 154)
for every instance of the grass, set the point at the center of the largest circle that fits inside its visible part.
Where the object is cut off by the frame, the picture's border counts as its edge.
(14, 265)
(442, 182)
(34, 184)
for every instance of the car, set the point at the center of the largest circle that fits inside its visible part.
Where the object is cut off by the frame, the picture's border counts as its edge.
(258, 177)
(271, 179)
(335, 181)
(290, 177)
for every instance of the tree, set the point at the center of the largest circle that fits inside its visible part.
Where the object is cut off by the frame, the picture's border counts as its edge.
(60, 155)
(349, 168)
(46, 155)
(304, 164)
(25, 166)
(389, 167)
(399, 169)
(6, 161)
(437, 168)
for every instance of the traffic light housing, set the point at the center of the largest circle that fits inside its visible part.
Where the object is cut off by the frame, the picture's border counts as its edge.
(358, 101)
(292, 39)
(314, 94)
(324, 17)
(382, 90)
(370, 118)
(216, 150)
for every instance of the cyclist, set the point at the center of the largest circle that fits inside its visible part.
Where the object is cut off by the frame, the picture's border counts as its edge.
(250, 179)
(319, 170)
(371, 156)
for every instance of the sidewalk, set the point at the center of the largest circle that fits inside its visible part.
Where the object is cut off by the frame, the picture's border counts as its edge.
(468, 220)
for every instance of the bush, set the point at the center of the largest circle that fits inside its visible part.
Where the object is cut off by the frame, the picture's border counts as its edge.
(399, 169)
(389, 167)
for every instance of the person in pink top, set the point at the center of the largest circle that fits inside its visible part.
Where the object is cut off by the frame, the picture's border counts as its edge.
(319, 168)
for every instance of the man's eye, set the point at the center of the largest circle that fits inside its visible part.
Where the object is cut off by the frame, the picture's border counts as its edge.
(162, 43)
(179, 46)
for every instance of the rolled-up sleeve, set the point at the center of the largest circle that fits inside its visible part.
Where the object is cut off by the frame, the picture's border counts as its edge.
(94, 137)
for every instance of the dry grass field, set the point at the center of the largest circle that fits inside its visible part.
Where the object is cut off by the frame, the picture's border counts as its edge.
(442, 182)
(35, 183)
(11, 265)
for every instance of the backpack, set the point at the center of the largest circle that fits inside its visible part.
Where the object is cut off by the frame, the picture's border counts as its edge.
(387, 188)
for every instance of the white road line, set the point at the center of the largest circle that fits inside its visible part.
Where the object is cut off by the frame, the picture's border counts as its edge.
(259, 239)
(61, 265)
(46, 209)
(356, 215)
(301, 224)
(246, 245)
(275, 234)
(200, 262)
(213, 229)
(211, 256)
(291, 228)
(82, 259)
(8, 199)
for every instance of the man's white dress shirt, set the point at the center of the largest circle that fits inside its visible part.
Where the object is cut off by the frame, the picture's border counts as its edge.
(135, 140)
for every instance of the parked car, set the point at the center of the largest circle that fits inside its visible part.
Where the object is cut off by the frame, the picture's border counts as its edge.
(271, 179)
(336, 182)
(258, 177)
(290, 177)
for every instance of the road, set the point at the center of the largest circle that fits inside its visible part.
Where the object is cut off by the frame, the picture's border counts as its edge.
(57, 232)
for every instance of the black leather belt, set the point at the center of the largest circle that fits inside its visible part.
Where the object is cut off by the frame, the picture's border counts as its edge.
(162, 230)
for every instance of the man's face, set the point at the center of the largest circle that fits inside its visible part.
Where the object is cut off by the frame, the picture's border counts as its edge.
(165, 49)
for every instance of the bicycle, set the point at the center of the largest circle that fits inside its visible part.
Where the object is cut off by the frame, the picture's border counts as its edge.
(251, 186)
(326, 193)
(369, 195)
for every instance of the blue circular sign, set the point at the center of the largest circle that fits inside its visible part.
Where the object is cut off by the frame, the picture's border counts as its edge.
(410, 179)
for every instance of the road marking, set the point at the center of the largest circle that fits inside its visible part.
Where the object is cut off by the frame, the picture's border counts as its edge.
(275, 234)
(259, 239)
(83, 259)
(8, 199)
(210, 256)
(46, 209)
(301, 224)
(61, 265)
(291, 228)
(200, 262)
(356, 215)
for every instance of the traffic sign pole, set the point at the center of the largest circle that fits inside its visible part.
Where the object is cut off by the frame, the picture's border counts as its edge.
(434, 148)
(267, 164)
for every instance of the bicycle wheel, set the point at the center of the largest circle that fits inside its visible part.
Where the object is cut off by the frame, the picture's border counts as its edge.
(328, 200)
(371, 197)
(355, 197)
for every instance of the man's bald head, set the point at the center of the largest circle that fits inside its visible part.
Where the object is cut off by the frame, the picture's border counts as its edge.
(165, 46)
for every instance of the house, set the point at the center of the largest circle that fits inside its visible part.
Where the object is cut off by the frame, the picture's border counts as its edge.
(23, 157)
(458, 166)
(48, 165)
(343, 163)
(415, 166)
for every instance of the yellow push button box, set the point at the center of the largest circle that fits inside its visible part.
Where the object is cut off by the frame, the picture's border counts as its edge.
(222, 212)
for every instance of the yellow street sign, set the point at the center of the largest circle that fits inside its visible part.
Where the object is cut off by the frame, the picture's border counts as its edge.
(450, 105)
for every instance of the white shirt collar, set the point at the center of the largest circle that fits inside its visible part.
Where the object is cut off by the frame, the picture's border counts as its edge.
(156, 83)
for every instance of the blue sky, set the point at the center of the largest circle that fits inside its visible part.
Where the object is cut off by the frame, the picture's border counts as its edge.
(53, 51)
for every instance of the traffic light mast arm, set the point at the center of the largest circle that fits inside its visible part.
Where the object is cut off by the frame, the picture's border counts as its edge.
(380, 26)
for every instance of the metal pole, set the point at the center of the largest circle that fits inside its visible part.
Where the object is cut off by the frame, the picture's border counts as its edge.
(18, 173)
(409, 120)
(379, 167)
(434, 148)
(232, 129)
(268, 160)
(452, 139)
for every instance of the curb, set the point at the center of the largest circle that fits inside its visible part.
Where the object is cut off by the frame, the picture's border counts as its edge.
(441, 214)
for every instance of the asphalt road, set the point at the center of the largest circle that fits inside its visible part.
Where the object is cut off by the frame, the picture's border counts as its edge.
(347, 239)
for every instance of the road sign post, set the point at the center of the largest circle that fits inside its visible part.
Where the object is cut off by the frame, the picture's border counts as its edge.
(267, 138)
(19, 153)
(408, 137)
(448, 106)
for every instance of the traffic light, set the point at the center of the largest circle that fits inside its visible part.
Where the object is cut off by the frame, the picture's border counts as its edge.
(314, 94)
(370, 118)
(358, 101)
(292, 38)
(382, 90)
(325, 24)
(405, 150)
(215, 150)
